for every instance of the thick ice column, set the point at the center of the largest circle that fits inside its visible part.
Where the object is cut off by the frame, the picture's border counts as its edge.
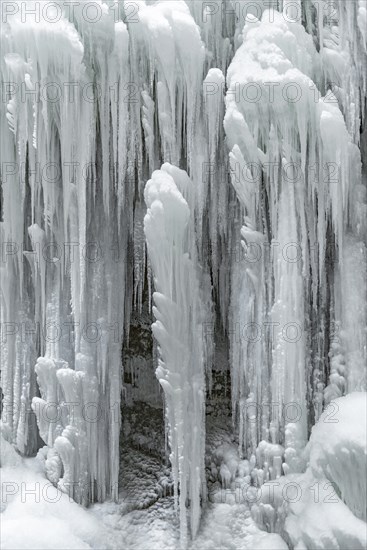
(30, 148)
(248, 347)
(348, 199)
(170, 238)
(341, 29)
(270, 201)
(300, 201)
(65, 280)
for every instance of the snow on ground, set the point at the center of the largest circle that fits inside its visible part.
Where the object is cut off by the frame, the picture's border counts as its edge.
(224, 526)
(49, 519)
(145, 513)
(37, 515)
(318, 509)
(320, 520)
(232, 527)
(321, 508)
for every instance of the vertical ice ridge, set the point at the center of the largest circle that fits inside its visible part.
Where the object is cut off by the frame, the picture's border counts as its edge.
(55, 243)
(299, 159)
(170, 238)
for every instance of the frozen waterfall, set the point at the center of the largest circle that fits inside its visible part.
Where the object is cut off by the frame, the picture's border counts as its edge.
(184, 203)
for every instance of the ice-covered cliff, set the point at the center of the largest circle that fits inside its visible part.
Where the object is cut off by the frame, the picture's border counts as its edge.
(204, 158)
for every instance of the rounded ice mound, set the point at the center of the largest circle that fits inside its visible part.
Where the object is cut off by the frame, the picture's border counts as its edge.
(338, 449)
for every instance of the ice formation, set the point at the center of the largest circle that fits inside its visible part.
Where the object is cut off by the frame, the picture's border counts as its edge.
(178, 310)
(290, 210)
(326, 505)
(204, 159)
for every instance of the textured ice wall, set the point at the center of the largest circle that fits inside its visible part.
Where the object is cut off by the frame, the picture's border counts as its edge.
(128, 95)
(149, 90)
(66, 236)
(297, 173)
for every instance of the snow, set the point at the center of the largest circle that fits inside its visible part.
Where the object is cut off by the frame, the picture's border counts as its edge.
(35, 514)
(324, 507)
(338, 449)
(306, 508)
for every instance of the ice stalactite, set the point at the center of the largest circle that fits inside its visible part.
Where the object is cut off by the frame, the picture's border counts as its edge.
(295, 169)
(128, 96)
(170, 234)
(167, 48)
(343, 51)
(92, 110)
(62, 241)
(214, 189)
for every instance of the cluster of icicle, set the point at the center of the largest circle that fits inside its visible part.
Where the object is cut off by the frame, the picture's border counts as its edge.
(296, 168)
(148, 89)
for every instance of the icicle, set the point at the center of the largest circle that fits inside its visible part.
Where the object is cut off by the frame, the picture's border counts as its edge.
(284, 262)
(290, 191)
